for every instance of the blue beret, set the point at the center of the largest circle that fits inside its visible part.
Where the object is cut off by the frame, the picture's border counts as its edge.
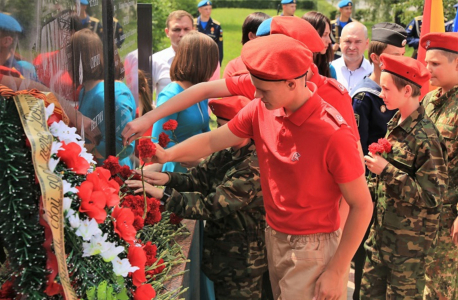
(344, 3)
(264, 28)
(204, 3)
(84, 2)
(288, 1)
(9, 23)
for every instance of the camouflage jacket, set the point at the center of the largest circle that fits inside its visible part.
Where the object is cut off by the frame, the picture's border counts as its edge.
(225, 190)
(411, 187)
(443, 111)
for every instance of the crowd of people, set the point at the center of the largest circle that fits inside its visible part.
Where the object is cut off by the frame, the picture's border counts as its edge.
(321, 156)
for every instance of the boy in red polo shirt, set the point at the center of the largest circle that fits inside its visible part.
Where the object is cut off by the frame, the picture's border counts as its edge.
(308, 160)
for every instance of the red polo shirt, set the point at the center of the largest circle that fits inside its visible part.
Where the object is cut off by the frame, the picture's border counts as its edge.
(303, 157)
(328, 89)
(234, 66)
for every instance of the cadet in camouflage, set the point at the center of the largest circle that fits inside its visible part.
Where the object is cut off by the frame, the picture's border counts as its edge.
(411, 184)
(441, 106)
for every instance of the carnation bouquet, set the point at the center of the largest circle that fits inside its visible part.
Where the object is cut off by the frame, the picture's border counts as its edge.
(72, 230)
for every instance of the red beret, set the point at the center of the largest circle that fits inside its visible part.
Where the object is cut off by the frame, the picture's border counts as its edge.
(447, 41)
(405, 67)
(227, 108)
(276, 57)
(299, 29)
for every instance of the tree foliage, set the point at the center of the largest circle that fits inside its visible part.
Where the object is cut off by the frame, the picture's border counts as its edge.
(161, 9)
(404, 11)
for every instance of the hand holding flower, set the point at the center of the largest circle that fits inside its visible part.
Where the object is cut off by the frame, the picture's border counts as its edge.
(149, 189)
(375, 163)
(153, 177)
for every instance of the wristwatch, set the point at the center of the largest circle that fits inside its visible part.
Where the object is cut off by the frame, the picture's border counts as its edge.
(167, 194)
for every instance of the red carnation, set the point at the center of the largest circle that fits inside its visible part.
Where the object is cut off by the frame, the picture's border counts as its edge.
(170, 125)
(146, 149)
(174, 219)
(123, 223)
(139, 223)
(163, 139)
(376, 148)
(145, 292)
(151, 252)
(125, 172)
(137, 258)
(112, 164)
(70, 155)
(386, 145)
(7, 291)
(157, 270)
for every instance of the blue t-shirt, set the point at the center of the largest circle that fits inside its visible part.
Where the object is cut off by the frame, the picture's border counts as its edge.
(332, 70)
(191, 121)
(91, 105)
(203, 24)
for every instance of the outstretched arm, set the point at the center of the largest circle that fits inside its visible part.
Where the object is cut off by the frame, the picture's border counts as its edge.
(198, 146)
(185, 99)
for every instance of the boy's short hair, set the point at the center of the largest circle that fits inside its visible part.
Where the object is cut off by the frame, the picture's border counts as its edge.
(377, 48)
(450, 55)
(178, 15)
(400, 83)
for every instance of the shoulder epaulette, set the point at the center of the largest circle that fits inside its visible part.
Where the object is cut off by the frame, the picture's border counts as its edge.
(216, 22)
(419, 18)
(92, 19)
(337, 85)
(333, 22)
(359, 96)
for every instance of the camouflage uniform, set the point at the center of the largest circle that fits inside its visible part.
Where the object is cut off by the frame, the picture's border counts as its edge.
(441, 270)
(409, 199)
(225, 190)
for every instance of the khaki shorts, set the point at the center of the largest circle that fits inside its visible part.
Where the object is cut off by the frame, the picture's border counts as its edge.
(296, 261)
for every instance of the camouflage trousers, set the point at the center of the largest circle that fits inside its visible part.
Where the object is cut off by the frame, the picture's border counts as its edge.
(388, 276)
(248, 288)
(442, 265)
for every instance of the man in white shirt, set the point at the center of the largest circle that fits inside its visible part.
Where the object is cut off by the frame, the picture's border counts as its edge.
(352, 67)
(178, 23)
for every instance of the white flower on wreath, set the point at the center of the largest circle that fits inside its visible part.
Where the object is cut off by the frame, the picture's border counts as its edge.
(87, 229)
(67, 202)
(73, 218)
(97, 244)
(49, 110)
(112, 252)
(84, 154)
(122, 267)
(64, 133)
(67, 187)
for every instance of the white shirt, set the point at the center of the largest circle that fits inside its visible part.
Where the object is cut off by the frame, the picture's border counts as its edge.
(349, 79)
(162, 61)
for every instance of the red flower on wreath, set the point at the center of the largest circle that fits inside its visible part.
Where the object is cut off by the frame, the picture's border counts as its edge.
(170, 125)
(123, 223)
(146, 149)
(163, 139)
(92, 202)
(70, 155)
(174, 219)
(137, 258)
(145, 292)
(101, 180)
(386, 145)
(139, 223)
(112, 164)
(7, 291)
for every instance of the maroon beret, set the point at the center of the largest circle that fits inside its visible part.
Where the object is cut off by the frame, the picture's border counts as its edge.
(227, 108)
(276, 57)
(447, 41)
(299, 29)
(405, 67)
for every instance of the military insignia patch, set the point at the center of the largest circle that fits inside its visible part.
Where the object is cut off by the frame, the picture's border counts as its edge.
(383, 108)
(357, 119)
(410, 27)
(212, 30)
(428, 42)
(404, 42)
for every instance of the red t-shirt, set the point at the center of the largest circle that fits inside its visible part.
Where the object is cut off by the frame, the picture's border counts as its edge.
(234, 66)
(303, 157)
(328, 90)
